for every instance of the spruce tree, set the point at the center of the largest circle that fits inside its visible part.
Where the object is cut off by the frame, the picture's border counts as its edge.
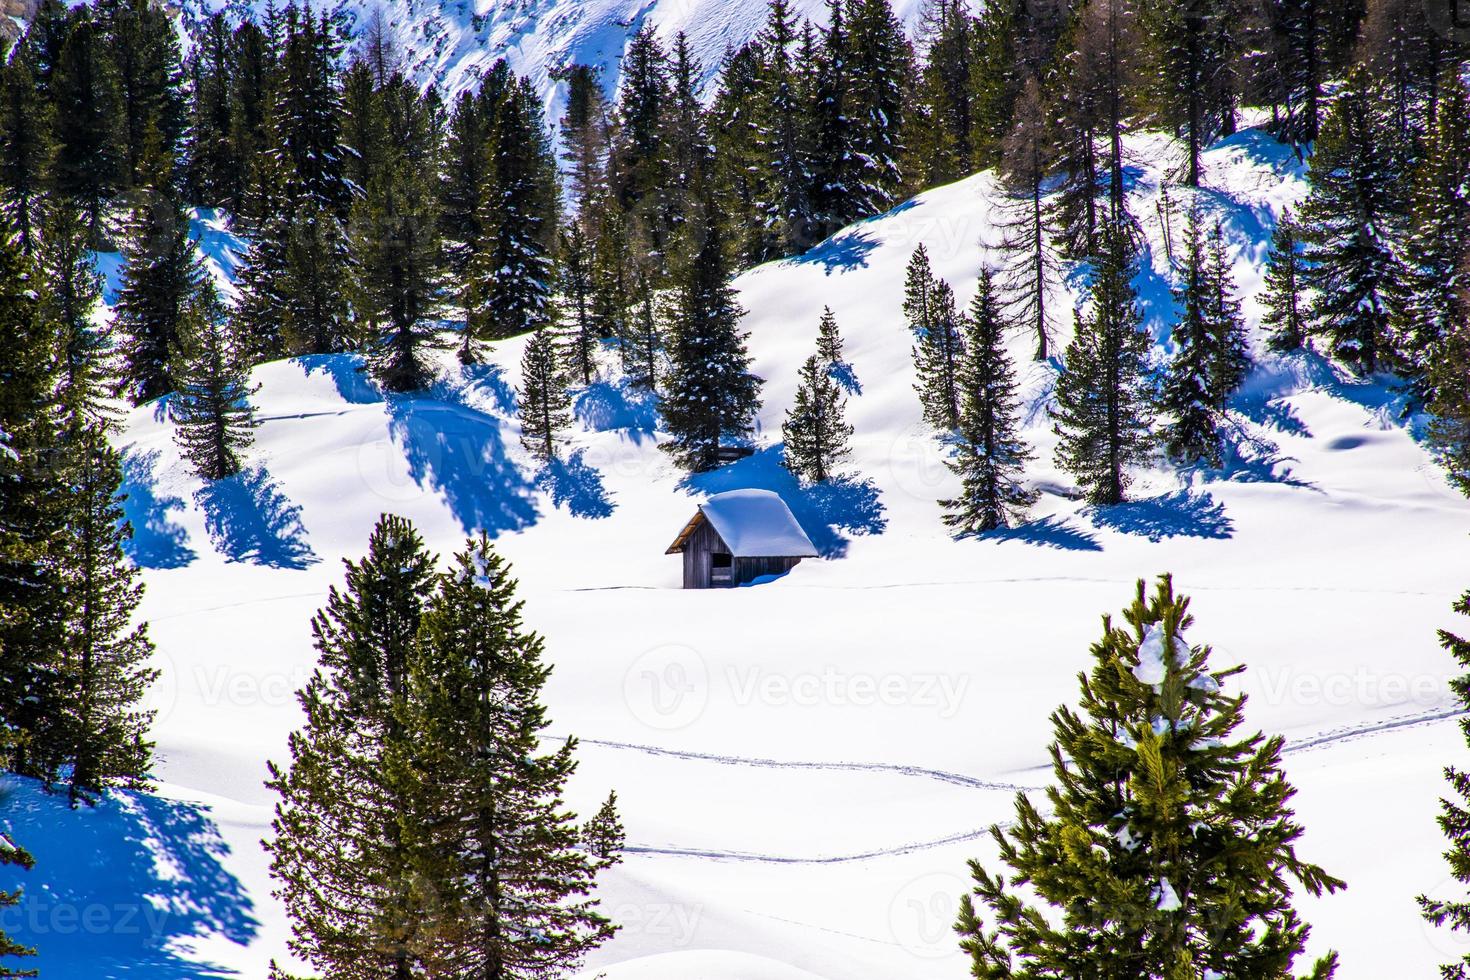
(585, 136)
(815, 434)
(1230, 359)
(543, 403)
(709, 393)
(639, 166)
(1192, 50)
(339, 850)
(72, 294)
(1349, 222)
(1454, 811)
(210, 407)
(395, 248)
(1170, 841)
(785, 194)
(1027, 228)
(990, 456)
(1284, 314)
(213, 166)
(1449, 384)
(942, 144)
(918, 292)
(161, 270)
(880, 66)
(90, 158)
(13, 855)
(1102, 412)
(518, 218)
(144, 51)
(939, 352)
(642, 342)
(834, 153)
(104, 655)
(576, 291)
(486, 826)
(26, 119)
(829, 353)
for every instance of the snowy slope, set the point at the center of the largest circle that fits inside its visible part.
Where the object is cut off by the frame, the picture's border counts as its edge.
(450, 42)
(804, 765)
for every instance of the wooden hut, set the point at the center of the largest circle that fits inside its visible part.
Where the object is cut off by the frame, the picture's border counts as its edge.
(738, 536)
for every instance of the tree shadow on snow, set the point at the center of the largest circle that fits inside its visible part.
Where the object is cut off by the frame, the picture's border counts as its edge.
(120, 889)
(348, 373)
(843, 252)
(1047, 532)
(458, 452)
(158, 541)
(250, 520)
(576, 486)
(1178, 514)
(606, 406)
(828, 512)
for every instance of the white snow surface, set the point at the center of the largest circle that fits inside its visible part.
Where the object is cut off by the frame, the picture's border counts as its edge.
(805, 765)
(757, 524)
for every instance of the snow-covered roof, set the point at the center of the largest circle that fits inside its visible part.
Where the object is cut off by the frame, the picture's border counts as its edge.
(753, 524)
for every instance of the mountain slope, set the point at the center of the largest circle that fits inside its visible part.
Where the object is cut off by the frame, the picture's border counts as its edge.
(804, 765)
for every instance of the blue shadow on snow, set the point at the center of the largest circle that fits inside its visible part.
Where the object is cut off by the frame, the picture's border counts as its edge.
(1047, 532)
(605, 406)
(158, 541)
(250, 520)
(573, 484)
(120, 889)
(1174, 515)
(824, 510)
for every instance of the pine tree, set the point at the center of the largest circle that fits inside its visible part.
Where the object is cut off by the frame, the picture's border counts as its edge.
(72, 294)
(211, 408)
(686, 139)
(1439, 235)
(576, 291)
(543, 403)
(1284, 314)
(89, 161)
(13, 855)
(1454, 817)
(829, 353)
(918, 292)
(1027, 229)
(395, 247)
(990, 456)
(1192, 435)
(639, 166)
(881, 69)
(734, 133)
(489, 833)
(783, 157)
(161, 270)
(939, 352)
(1230, 359)
(995, 78)
(518, 218)
(307, 110)
(815, 433)
(1102, 412)
(586, 138)
(1349, 223)
(338, 849)
(26, 120)
(1171, 838)
(834, 160)
(1191, 52)
(213, 167)
(709, 393)
(642, 342)
(1449, 384)
(942, 146)
(144, 52)
(104, 653)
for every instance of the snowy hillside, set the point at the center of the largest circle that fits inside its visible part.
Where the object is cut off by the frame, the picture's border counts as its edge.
(803, 765)
(449, 42)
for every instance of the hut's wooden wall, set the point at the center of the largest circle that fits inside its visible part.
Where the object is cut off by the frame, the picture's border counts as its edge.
(747, 569)
(698, 549)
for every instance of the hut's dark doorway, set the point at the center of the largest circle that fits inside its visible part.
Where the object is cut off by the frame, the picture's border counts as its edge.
(721, 568)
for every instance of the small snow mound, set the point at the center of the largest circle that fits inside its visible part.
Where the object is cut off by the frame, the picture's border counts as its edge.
(1165, 898)
(700, 964)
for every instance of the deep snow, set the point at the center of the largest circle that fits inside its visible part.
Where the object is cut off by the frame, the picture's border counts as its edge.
(803, 765)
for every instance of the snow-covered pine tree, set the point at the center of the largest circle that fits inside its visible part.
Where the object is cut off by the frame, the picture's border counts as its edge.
(90, 156)
(687, 142)
(603, 835)
(1191, 51)
(486, 828)
(315, 318)
(518, 215)
(642, 342)
(1191, 434)
(1349, 225)
(1284, 310)
(1454, 814)
(834, 162)
(210, 408)
(938, 353)
(585, 136)
(785, 190)
(709, 394)
(1230, 359)
(880, 72)
(73, 289)
(990, 456)
(26, 121)
(829, 352)
(1103, 403)
(576, 300)
(639, 165)
(337, 845)
(543, 403)
(815, 432)
(943, 136)
(102, 735)
(1449, 403)
(1439, 236)
(13, 855)
(918, 292)
(1170, 842)
(160, 271)
(395, 246)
